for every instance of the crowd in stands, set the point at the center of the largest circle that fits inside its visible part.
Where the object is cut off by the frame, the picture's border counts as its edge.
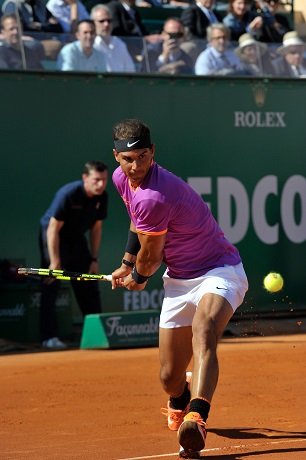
(253, 37)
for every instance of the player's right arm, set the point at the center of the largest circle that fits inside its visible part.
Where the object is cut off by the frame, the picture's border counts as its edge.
(53, 243)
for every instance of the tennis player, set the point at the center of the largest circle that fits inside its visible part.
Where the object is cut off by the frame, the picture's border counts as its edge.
(204, 280)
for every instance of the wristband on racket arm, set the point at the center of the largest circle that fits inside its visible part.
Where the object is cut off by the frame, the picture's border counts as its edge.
(128, 263)
(132, 245)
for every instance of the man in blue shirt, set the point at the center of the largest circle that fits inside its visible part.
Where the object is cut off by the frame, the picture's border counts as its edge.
(77, 208)
(81, 54)
(217, 59)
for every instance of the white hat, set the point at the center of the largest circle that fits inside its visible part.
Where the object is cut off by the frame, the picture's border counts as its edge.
(290, 39)
(247, 40)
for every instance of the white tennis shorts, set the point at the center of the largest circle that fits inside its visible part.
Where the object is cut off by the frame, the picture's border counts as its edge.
(182, 296)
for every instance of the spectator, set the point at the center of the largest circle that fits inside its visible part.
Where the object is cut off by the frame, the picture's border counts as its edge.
(198, 16)
(115, 50)
(68, 13)
(81, 54)
(127, 23)
(290, 63)
(126, 19)
(77, 207)
(254, 55)
(16, 53)
(33, 14)
(167, 56)
(273, 33)
(217, 59)
(240, 19)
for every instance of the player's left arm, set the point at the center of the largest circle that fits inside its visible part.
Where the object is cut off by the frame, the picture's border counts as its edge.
(149, 259)
(151, 253)
(95, 237)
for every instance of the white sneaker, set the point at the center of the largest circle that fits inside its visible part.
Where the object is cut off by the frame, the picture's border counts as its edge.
(54, 344)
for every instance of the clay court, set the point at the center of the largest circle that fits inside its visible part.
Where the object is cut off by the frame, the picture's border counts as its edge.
(104, 404)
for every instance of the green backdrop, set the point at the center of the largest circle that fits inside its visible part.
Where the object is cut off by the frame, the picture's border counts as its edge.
(239, 142)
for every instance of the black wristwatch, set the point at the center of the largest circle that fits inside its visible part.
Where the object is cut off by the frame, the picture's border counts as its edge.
(128, 263)
(94, 259)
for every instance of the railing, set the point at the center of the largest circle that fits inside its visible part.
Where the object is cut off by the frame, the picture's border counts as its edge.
(40, 50)
(45, 49)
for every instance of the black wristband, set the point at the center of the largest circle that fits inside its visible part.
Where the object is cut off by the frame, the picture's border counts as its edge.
(94, 259)
(139, 279)
(128, 263)
(132, 245)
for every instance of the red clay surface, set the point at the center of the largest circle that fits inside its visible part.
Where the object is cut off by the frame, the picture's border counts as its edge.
(104, 404)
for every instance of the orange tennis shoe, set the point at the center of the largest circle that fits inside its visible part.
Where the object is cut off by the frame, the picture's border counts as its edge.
(192, 435)
(176, 416)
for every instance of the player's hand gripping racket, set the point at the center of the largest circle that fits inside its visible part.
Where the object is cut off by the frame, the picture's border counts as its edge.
(63, 274)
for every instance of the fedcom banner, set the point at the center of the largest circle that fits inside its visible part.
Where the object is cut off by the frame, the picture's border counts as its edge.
(252, 211)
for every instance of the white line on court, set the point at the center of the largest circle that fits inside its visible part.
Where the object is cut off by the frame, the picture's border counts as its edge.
(242, 446)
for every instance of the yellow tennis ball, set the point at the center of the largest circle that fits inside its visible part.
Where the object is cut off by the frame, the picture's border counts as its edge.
(273, 282)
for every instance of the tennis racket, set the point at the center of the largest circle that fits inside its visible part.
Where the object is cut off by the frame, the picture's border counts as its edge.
(63, 274)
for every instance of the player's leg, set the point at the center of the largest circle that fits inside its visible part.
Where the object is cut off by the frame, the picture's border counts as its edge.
(211, 318)
(220, 293)
(175, 349)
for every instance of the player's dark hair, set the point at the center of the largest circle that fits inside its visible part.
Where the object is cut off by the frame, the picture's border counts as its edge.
(96, 165)
(129, 128)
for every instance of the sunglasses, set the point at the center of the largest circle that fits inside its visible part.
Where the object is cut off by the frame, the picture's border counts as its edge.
(104, 20)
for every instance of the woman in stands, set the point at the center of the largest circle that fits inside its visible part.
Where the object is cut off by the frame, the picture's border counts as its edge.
(242, 19)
